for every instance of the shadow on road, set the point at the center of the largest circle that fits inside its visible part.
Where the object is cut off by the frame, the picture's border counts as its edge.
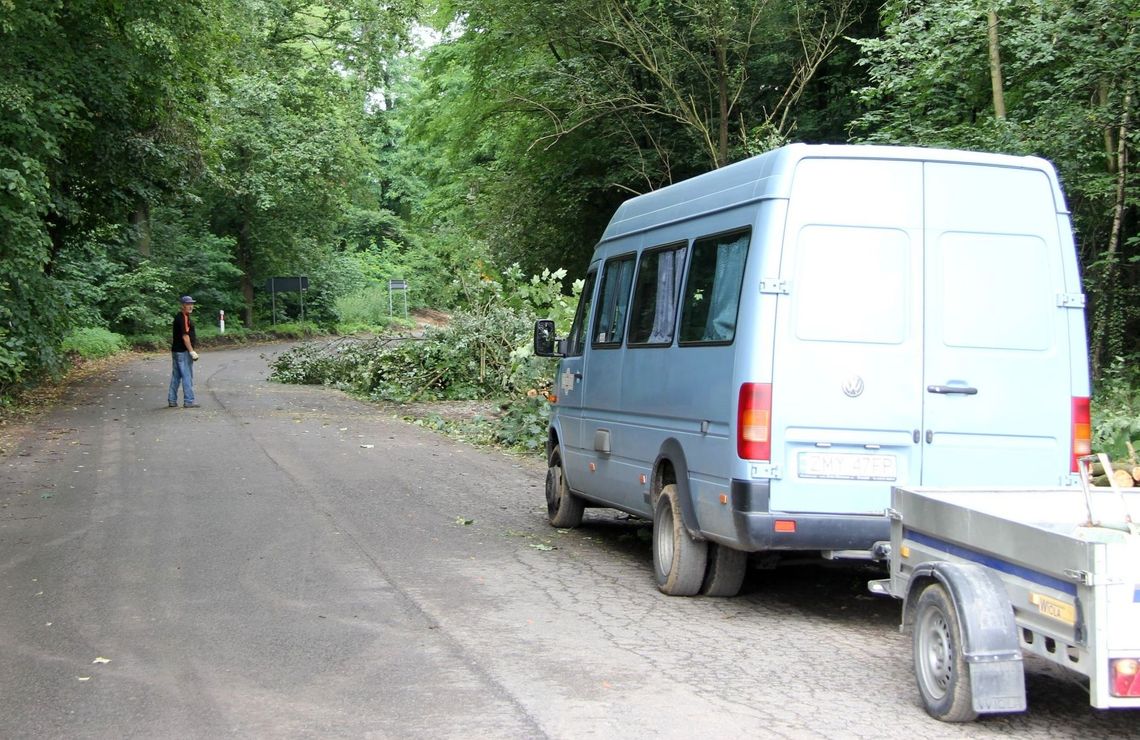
(799, 582)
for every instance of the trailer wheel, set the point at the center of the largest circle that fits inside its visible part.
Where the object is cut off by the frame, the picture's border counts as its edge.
(724, 574)
(563, 508)
(678, 559)
(939, 665)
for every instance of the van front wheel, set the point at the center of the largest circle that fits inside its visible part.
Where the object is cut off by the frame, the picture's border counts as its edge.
(678, 559)
(563, 508)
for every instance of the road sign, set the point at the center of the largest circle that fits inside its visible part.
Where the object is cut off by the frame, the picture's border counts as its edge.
(397, 284)
(287, 284)
(277, 285)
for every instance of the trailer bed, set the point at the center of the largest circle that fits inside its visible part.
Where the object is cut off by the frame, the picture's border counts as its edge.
(1070, 580)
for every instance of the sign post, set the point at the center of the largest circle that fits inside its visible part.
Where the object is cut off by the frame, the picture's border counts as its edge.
(297, 284)
(402, 286)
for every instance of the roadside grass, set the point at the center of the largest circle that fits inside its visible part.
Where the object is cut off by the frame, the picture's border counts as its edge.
(93, 343)
(515, 425)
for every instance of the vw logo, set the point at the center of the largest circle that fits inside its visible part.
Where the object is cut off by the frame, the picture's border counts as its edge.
(853, 387)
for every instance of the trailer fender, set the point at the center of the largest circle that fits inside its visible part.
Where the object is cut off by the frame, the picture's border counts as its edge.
(990, 643)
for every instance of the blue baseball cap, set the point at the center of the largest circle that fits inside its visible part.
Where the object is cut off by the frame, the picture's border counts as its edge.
(188, 299)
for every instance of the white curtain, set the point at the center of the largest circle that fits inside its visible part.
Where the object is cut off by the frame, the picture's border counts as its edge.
(721, 322)
(669, 273)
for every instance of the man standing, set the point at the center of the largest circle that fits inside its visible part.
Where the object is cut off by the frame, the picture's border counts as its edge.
(183, 357)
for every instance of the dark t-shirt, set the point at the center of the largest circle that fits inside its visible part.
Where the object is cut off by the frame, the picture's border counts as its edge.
(182, 325)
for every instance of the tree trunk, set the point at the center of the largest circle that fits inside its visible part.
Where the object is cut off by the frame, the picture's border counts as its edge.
(995, 66)
(1109, 144)
(1104, 323)
(722, 73)
(140, 221)
(245, 263)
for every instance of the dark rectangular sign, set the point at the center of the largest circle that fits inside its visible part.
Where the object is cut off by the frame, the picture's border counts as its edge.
(397, 285)
(287, 284)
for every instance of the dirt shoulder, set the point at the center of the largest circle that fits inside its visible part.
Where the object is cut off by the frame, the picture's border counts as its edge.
(449, 410)
(18, 419)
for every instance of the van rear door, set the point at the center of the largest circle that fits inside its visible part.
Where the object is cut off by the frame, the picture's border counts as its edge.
(996, 382)
(922, 338)
(847, 357)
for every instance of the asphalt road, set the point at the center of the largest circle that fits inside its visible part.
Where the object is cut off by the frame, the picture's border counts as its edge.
(288, 562)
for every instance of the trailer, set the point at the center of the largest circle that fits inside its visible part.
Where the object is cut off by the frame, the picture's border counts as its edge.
(987, 575)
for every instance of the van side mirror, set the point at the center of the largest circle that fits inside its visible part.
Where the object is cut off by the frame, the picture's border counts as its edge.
(545, 345)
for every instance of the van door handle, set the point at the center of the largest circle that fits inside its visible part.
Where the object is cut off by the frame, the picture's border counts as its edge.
(962, 390)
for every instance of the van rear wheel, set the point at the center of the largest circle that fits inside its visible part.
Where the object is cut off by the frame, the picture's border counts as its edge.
(725, 572)
(678, 559)
(563, 508)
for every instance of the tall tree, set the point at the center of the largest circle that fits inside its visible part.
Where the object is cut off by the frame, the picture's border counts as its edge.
(289, 148)
(554, 113)
(93, 123)
(1069, 96)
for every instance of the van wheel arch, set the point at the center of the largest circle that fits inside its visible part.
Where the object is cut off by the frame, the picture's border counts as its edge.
(564, 508)
(670, 467)
(552, 441)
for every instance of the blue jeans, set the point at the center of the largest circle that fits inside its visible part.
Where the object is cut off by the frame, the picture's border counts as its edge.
(182, 370)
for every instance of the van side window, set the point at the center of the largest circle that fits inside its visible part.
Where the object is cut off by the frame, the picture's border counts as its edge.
(614, 302)
(576, 342)
(712, 291)
(655, 295)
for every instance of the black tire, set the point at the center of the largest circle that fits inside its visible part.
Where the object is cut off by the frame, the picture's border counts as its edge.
(678, 559)
(724, 574)
(563, 508)
(939, 664)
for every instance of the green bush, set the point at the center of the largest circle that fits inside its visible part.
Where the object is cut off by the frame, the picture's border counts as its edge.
(150, 342)
(523, 424)
(484, 353)
(368, 306)
(469, 359)
(396, 325)
(139, 300)
(13, 363)
(94, 343)
(1116, 408)
(329, 363)
(296, 330)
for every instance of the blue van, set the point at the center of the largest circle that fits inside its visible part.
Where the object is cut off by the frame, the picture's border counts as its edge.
(761, 352)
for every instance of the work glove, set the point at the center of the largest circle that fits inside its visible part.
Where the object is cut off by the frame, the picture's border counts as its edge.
(193, 355)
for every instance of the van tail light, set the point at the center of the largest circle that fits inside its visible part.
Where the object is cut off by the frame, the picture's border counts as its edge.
(1082, 432)
(754, 422)
(1125, 674)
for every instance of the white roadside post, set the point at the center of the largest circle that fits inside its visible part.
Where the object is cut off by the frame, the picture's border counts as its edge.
(221, 322)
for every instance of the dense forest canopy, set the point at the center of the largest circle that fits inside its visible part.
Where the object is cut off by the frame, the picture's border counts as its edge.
(158, 147)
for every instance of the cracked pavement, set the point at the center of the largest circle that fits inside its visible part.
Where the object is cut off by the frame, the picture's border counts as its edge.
(289, 562)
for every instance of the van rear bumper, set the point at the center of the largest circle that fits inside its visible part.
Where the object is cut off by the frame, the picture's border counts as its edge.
(756, 525)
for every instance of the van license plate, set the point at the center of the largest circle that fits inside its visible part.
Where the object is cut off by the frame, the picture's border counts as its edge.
(843, 466)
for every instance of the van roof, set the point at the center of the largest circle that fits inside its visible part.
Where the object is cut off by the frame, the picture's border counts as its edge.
(769, 175)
